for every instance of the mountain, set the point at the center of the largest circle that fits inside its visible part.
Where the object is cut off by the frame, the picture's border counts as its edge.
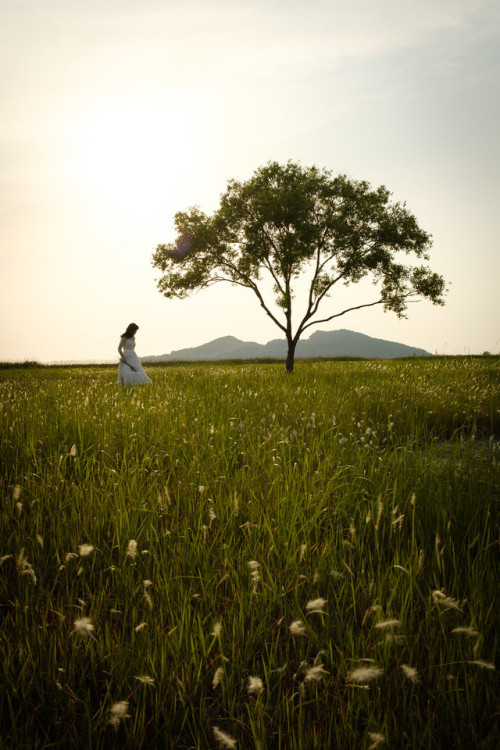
(340, 343)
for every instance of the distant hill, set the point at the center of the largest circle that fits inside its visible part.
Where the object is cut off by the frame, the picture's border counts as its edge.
(340, 343)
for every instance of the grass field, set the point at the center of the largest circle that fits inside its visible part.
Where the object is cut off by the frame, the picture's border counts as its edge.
(236, 557)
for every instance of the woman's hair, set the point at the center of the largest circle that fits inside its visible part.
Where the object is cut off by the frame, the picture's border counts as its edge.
(130, 332)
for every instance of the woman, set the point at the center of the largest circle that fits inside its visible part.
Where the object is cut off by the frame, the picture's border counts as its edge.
(130, 370)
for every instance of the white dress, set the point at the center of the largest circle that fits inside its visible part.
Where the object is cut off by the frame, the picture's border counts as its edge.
(127, 376)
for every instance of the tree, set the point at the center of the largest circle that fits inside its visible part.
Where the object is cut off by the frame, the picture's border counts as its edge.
(287, 221)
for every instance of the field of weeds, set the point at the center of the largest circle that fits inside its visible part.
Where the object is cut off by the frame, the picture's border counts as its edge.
(237, 557)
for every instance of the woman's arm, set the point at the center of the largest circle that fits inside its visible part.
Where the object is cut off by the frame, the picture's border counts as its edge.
(120, 352)
(122, 356)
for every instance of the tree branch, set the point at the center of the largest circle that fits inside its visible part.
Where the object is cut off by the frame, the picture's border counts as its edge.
(268, 312)
(338, 315)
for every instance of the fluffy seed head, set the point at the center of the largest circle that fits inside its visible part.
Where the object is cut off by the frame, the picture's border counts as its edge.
(466, 631)
(410, 673)
(224, 740)
(145, 679)
(377, 739)
(118, 712)
(218, 675)
(316, 605)
(315, 674)
(255, 685)
(483, 664)
(83, 626)
(387, 624)
(132, 549)
(254, 575)
(297, 628)
(445, 601)
(24, 568)
(84, 550)
(362, 675)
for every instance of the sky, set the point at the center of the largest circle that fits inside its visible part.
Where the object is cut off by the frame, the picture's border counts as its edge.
(116, 115)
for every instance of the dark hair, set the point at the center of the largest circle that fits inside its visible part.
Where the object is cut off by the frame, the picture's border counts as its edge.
(131, 329)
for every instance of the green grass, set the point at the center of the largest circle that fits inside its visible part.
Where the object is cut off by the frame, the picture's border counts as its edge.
(371, 485)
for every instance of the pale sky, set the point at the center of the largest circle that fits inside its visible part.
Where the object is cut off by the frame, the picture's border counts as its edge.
(117, 114)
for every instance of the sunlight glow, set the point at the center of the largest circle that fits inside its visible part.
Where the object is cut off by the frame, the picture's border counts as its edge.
(126, 154)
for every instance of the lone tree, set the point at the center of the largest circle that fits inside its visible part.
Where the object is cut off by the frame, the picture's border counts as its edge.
(287, 221)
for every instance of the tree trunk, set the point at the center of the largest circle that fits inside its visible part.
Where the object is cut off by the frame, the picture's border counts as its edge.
(290, 357)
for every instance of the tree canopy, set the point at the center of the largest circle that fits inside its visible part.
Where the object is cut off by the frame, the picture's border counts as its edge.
(288, 221)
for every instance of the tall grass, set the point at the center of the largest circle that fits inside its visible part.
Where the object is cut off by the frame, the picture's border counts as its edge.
(194, 521)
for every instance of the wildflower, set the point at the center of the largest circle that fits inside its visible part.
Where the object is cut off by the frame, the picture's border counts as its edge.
(297, 628)
(386, 624)
(466, 631)
(118, 712)
(315, 673)
(17, 492)
(132, 549)
(255, 685)
(145, 679)
(83, 626)
(139, 627)
(224, 740)
(303, 551)
(84, 550)
(39, 539)
(72, 452)
(316, 605)
(219, 672)
(363, 675)
(70, 556)
(411, 673)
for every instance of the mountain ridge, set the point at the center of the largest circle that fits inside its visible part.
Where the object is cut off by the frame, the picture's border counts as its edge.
(337, 343)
